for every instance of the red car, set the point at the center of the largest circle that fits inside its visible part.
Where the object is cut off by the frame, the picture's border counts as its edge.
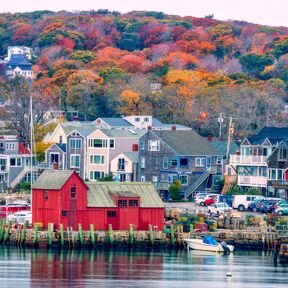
(210, 199)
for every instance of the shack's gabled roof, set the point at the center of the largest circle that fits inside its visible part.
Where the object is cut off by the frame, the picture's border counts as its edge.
(52, 179)
(99, 193)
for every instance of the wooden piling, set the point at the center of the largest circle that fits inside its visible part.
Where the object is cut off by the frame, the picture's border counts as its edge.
(111, 238)
(50, 237)
(7, 233)
(35, 236)
(131, 235)
(24, 232)
(91, 235)
(80, 234)
(61, 236)
(72, 238)
(68, 238)
(2, 229)
(151, 235)
(172, 236)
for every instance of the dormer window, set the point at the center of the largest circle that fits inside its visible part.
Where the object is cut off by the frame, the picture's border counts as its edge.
(122, 203)
(133, 203)
(137, 119)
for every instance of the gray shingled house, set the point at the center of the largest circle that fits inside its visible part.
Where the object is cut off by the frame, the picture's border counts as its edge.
(165, 156)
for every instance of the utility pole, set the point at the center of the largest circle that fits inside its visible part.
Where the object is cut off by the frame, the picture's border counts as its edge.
(220, 121)
(230, 132)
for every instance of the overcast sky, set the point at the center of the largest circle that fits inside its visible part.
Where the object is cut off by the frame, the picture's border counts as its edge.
(269, 12)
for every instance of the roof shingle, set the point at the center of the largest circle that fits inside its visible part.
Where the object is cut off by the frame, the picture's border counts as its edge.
(52, 179)
(99, 193)
(187, 143)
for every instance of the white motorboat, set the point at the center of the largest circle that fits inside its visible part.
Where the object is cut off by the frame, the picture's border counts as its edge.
(208, 243)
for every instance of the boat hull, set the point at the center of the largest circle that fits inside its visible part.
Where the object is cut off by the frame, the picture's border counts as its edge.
(197, 244)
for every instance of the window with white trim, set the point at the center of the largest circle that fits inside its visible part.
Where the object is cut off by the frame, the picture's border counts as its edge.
(172, 178)
(184, 180)
(97, 159)
(165, 162)
(200, 162)
(153, 145)
(112, 143)
(74, 160)
(15, 162)
(219, 160)
(174, 162)
(75, 143)
(10, 146)
(142, 145)
(97, 143)
(142, 162)
(282, 154)
(95, 175)
(154, 179)
(142, 179)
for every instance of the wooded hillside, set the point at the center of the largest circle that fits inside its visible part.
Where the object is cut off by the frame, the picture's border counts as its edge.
(108, 64)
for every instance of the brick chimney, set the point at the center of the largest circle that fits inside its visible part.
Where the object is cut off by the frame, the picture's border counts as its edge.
(173, 128)
(209, 138)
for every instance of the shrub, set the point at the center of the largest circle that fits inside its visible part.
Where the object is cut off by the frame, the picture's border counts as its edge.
(175, 189)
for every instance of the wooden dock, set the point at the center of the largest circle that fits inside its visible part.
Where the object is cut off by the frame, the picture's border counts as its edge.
(35, 237)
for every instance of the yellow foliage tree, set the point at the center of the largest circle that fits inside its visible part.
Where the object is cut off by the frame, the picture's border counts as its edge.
(132, 100)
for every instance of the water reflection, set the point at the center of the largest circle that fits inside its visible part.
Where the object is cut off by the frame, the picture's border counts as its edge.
(138, 269)
(77, 265)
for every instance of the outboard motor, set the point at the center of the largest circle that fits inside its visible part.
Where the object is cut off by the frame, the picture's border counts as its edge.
(225, 247)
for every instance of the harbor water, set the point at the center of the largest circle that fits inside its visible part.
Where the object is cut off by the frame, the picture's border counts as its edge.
(30, 268)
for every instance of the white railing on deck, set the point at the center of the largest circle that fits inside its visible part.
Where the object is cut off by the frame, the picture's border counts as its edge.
(251, 159)
(252, 181)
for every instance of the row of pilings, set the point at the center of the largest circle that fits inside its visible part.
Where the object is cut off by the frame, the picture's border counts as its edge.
(36, 237)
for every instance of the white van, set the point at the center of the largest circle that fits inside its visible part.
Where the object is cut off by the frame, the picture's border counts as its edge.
(241, 202)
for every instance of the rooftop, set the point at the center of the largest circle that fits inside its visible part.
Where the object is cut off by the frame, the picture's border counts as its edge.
(52, 179)
(115, 122)
(221, 147)
(187, 143)
(99, 193)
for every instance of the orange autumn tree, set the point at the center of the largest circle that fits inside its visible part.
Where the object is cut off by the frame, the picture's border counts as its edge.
(130, 102)
(179, 60)
(183, 87)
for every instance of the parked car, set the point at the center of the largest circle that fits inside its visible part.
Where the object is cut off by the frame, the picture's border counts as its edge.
(200, 200)
(271, 207)
(20, 217)
(210, 199)
(254, 204)
(241, 202)
(267, 205)
(226, 199)
(219, 208)
(282, 208)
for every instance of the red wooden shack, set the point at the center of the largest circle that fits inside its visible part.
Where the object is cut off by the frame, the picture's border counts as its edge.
(63, 197)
